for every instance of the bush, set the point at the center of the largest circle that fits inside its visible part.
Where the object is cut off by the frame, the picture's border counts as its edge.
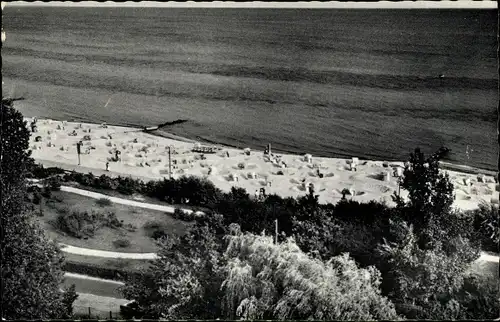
(155, 229)
(425, 281)
(39, 172)
(79, 224)
(57, 198)
(46, 192)
(52, 183)
(121, 243)
(111, 221)
(37, 197)
(103, 202)
(485, 226)
(182, 215)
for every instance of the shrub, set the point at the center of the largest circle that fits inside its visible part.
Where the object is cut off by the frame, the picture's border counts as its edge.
(46, 192)
(128, 186)
(37, 171)
(121, 243)
(152, 225)
(57, 198)
(37, 197)
(103, 202)
(485, 226)
(79, 224)
(53, 183)
(425, 281)
(155, 229)
(111, 221)
(182, 215)
(158, 234)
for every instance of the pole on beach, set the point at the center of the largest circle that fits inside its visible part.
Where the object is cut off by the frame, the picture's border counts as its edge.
(78, 151)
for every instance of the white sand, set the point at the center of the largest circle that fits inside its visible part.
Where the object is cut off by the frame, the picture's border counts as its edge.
(146, 155)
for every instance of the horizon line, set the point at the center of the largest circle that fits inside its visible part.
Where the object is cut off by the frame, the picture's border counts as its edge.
(418, 4)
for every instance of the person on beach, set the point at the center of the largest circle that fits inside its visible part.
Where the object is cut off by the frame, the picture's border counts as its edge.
(107, 166)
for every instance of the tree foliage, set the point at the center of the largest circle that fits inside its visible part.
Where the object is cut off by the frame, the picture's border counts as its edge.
(269, 281)
(31, 264)
(184, 282)
(430, 193)
(424, 282)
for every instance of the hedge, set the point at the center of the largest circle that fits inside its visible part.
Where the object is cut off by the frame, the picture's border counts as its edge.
(237, 206)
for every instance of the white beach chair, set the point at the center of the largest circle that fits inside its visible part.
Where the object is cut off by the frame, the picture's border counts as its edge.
(308, 158)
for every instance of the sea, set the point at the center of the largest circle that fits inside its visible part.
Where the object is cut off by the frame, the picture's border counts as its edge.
(373, 84)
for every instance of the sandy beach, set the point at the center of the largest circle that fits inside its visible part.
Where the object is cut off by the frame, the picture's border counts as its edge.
(147, 156)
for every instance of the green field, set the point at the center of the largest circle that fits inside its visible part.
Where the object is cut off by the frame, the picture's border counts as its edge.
(140, 240)
(114, 263)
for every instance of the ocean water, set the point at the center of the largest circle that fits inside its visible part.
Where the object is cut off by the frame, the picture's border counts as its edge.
(336, 83)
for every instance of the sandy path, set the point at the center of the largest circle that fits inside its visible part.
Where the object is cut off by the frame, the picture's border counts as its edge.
(106, 254)
(127, 202)
(489, 258)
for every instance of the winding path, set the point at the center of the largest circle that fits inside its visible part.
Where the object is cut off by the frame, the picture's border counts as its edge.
(106, 254)
(121, 201)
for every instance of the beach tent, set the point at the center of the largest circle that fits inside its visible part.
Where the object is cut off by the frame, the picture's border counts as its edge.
(308, 158)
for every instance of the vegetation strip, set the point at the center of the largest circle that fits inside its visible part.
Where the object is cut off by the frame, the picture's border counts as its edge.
(87, 277)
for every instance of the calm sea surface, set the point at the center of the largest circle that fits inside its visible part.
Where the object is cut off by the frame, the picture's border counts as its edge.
(328, 82)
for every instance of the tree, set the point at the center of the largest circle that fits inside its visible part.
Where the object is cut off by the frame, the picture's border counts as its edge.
(430, 196)
(269, 281)
(31, 265)
(184, 282)
(424, 283)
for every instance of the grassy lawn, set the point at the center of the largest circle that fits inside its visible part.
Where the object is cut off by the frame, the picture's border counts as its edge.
(105, 237)
(117, 263)
(93, 287)
(100, 306)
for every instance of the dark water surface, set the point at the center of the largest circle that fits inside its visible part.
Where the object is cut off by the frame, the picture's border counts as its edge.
(327, 82)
